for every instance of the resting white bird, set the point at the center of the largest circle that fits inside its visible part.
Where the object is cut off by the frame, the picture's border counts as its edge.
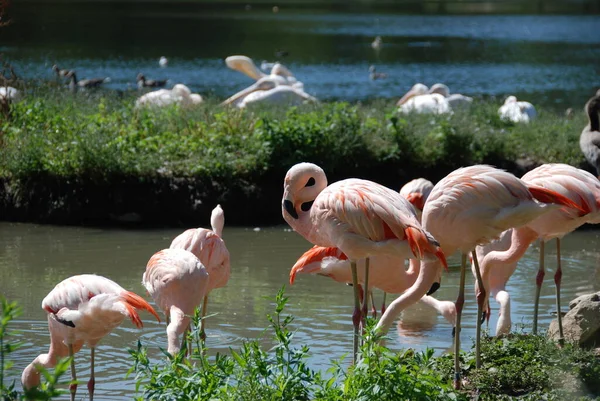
(419, 100)
(180, 94)
(163, 61)
(455, 100)
(9, 93)
(268, 90)
(517, 112)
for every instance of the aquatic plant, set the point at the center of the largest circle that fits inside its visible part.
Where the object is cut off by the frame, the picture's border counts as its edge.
(8, 392)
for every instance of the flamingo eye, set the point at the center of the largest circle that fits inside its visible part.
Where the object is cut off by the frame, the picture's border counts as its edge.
(306, 206)
(311, 182)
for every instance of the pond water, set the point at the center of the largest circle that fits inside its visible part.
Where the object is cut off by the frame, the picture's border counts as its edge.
(547, 59)
(34, 258)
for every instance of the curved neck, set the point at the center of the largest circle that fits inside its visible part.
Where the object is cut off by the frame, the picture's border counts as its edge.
(593, 108)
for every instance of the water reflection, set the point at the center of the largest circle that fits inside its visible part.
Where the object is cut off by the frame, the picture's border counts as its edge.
(34, 258)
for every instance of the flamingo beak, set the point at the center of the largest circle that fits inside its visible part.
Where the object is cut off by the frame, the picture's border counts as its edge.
(289, 207)
(434, 287)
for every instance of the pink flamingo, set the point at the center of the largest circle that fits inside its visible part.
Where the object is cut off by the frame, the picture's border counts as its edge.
(209, 247)
(383, 274)
(472, 206)
(82, 310)
(583, 190)
(359, 217)
(178, 282)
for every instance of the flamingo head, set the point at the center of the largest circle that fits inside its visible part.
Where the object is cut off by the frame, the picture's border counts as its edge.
(440, 89)
(217, 220)
(416, 90)
(303, 183)
(315, 260)
(417, 191)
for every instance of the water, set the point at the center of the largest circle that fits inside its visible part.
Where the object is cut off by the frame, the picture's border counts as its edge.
(550, 60)
(34, 258)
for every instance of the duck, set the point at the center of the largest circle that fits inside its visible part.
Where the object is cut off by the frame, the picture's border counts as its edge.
(377, 43)
(84, 83)
(373, 74)
(517, 111)
(142, 82)
(59, 72)
(589, 141)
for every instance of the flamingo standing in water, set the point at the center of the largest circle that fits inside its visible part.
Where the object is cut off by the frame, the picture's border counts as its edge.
(589, 141)
(361, 218)
(383, 274)
(178, 282)
(583, 190)
(82, 310)
(209, 247)
(472, 206)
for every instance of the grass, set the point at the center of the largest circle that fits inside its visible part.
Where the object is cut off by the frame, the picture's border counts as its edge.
(63, 147)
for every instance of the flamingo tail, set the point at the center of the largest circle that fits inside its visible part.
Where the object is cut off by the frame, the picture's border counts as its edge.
(547, 196)
(421, 244)
(133, 302)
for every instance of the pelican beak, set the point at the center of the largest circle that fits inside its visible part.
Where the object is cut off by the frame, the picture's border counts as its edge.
(289, 207)
(404, 99)
(241, 94)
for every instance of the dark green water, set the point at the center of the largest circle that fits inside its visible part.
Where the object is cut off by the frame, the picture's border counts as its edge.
(546, 59)
(34, 258)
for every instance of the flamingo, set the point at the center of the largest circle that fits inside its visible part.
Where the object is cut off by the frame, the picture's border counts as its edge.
(455, 100)
(418, 99)
(469, 207)
(267, 90)
(142, 82)
(84, 83)
(180, 94)
(163, 62)
(211, 250)
(583, 190)
(589, 141)
(361, 218)
(517, 111)
(416, 192)
(178, 282)
(383, 274)
(82, 310)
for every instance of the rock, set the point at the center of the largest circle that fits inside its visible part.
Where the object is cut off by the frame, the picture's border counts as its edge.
(582, 323)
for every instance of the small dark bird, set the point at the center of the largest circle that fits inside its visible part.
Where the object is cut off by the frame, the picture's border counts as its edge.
(281, 53)
(589, 141)
(85, 83)
(142, 82)
(373, 74)
(60, 73)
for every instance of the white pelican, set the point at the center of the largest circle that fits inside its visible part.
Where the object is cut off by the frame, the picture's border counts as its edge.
(246, 66)
(419, 100)
(163, 61)
(517, 112)
(455, 100)
(589, 141)
(9, 93)
(377, 43)
(180, 94)
(268, 90)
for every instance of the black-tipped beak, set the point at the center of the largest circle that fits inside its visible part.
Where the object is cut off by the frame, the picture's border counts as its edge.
(289, 207)
(434, 287)
(65, 322)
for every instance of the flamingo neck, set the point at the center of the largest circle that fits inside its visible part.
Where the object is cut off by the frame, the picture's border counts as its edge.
(31, 375)
(504, 322)
(428, 273)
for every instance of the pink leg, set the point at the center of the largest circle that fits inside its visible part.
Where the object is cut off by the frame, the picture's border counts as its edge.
(373, 309)
(72, 386)
(539, 279)
(481, 298)
(383, 303)
(92, 382)
(460, 301)
(557, 281)
(356, 315)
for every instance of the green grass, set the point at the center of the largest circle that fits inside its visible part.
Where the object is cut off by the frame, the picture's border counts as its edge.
(58, 148)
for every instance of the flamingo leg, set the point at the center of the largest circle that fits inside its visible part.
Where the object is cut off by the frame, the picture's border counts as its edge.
(459, 306)
(356, 314)
(538, 282)
(383, 303)
(202, 321)
(365, 295)
(557, 280)
(373, 310)
(481, 297)
(73, 385)
(92, 382)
